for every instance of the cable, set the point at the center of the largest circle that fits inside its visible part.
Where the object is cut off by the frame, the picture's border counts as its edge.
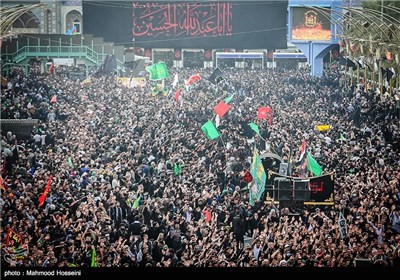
(175, 39)
(194, 38)
(120, 4)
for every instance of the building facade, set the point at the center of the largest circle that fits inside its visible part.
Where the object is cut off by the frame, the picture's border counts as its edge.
(54, 17)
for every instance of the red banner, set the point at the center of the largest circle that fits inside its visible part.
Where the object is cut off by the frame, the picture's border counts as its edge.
(42, 198)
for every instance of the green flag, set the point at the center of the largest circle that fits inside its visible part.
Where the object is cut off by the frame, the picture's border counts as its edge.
(342, 137)
(136, 203)
(228, 99)
(177, 168)
(94, 260)
(254, 127)
(209, 130)
(313, 165)
(257, 187)
(70, 162)
(158, 71)
(129, 202)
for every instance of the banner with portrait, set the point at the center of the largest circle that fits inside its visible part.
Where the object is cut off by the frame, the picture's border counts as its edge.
(131, 82)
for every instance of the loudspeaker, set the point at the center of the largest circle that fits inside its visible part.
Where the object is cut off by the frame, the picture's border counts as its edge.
(363, 263)
(301, 190)
(269, 192)
(283, 167)
(283, 189)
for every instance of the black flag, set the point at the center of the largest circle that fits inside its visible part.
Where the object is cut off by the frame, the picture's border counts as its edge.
(350, 63)
(216, 76)
(108, 65)
(342, 60)
(389, 74)
(137, 66)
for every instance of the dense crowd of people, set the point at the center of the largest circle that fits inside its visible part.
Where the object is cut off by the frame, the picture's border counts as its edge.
(135, 183)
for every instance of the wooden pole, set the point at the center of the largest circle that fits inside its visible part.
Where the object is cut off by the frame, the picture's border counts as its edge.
(351, 77)
(398, 81)
(373, 78)
(365, 79)
(380, 77)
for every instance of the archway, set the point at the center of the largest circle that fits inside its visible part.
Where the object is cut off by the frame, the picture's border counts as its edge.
(47, 21)
(26, 20)
(73, 19)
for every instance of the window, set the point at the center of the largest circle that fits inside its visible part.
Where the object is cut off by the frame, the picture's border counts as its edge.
(77, 25)
(73, 19)
(47, 21)
(27, 20)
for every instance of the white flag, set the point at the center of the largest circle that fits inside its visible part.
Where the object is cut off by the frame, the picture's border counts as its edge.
(217, 120)
(187, 86)
(176, 80)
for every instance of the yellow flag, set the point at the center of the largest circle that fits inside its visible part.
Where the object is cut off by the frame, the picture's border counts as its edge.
(87, 81)
(323, 127)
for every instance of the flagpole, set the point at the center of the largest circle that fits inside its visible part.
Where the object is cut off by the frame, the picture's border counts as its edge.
(226, 149)
(373, 77)
(365, 78)
(398, 81)
(269, 146)
(358, 73)
(259, 135)
(351, 77)
(380, 77)
(290, 160)
(223, 143)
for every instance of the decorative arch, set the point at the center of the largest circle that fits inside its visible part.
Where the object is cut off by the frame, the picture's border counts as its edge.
(18, 23)
(26, 20)
(48, 18)
(73, 18)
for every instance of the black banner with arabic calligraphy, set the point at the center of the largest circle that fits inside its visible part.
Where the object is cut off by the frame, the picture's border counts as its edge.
(321, 188)
(189, 24)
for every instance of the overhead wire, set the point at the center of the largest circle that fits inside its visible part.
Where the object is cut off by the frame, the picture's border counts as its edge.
(174, 39)
(161, 3)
